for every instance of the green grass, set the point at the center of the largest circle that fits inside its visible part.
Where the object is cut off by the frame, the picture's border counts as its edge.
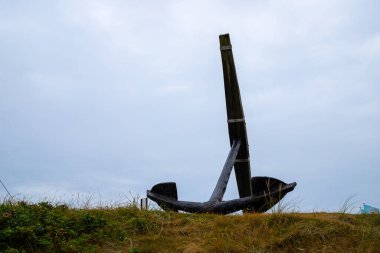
(46, 227)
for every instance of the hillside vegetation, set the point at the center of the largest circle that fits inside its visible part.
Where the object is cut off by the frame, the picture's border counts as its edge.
(45, 227)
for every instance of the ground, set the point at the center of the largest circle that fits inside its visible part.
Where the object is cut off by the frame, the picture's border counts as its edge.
(46, 227)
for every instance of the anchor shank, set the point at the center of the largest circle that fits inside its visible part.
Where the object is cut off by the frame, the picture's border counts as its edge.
(235, 117)
(221, 185)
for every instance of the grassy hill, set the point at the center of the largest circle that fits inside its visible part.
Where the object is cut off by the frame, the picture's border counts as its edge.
(45, 227)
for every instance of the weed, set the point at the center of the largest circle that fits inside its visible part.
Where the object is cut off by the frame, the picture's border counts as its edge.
(347, 206)
(49, 227)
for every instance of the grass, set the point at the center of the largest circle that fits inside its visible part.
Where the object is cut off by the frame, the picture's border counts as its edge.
(47, 227)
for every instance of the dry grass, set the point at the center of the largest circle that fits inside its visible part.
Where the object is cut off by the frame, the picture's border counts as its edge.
(315, 232)
(45, 228)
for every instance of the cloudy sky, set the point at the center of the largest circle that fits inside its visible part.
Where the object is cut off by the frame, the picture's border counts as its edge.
(111, 97)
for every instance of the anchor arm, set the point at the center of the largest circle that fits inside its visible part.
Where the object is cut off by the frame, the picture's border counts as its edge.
(258, 202)
(221, 185)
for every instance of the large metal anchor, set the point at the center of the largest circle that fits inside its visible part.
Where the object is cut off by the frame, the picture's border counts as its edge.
(257, 194)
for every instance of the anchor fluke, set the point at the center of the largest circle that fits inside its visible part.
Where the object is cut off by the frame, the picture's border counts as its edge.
(167, 190)
(262, 184)
(272, 189)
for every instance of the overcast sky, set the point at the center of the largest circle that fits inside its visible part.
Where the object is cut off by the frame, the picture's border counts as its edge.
(112, 97)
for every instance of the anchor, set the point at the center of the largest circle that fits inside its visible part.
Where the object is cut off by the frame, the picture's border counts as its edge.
(257, 194)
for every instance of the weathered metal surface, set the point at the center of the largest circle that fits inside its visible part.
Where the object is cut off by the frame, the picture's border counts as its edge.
(235, 117)
(221, 185)
(257, 194)
(269, 192)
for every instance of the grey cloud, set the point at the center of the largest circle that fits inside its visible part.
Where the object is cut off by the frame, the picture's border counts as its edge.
(115, 96)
